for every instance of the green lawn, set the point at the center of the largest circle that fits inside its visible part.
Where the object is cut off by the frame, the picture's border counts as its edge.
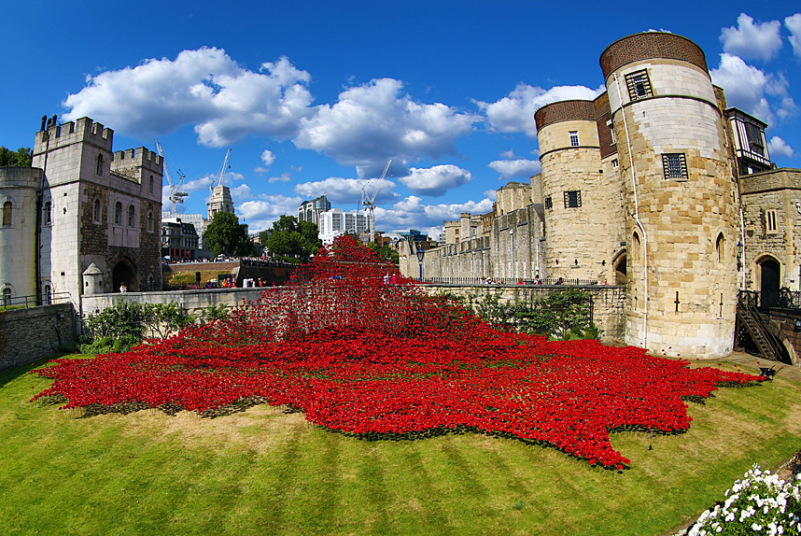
(269, 473)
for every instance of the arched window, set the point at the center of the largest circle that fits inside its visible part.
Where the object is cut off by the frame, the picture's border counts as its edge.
(635, 247)
(46, 214)
(720, 246)
(131, 216)
(150, 221)
(47, 294)
(7, 214)
(99, 167)
(118, 213)
(96, 211)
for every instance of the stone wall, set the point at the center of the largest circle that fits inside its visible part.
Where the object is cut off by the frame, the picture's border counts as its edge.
(30, 334)
(608, 302)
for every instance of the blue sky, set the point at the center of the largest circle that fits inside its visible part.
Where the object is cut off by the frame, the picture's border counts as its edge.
(316, 97)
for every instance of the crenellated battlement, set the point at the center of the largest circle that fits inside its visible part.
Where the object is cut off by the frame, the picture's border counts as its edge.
(52, 135)
(139, 157)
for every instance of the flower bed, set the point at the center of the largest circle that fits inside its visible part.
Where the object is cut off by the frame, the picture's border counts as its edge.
(361, 351)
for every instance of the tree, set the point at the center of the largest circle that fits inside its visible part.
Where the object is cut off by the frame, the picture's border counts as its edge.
(293, 240)
(23, 157)
(385, 252)
(225, 236)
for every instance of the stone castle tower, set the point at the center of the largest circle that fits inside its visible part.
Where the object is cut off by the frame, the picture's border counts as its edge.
(99, 206)
(220, 201)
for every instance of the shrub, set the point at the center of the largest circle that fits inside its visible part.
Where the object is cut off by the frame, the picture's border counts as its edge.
(761, 503)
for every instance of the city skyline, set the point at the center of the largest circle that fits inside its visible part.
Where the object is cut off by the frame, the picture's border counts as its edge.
(315, 98)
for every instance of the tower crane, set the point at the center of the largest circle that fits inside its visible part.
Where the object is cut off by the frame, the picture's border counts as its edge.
(219, 180)
(176, 195)
(368, 202)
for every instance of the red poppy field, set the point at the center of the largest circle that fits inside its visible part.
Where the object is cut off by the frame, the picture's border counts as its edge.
(361, 351)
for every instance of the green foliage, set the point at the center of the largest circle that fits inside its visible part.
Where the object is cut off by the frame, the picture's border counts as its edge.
(385, 252)
(293, 240)
(226, 236)
(118, 328)
(564, 314)
(23, 157)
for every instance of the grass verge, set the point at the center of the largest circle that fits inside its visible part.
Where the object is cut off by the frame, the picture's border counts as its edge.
(267, 472)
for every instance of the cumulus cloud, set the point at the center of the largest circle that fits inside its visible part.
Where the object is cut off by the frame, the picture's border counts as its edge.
(515, 112)
(347, 191)
(748, 87)
(374, 122)
(284, 177)
(241, 193)
(203, 87)
(262, 212)
(752, 41)
(516, 168)
(793, 23)
(436, 180)
(778, 147)
(411, 212)
(267, 157)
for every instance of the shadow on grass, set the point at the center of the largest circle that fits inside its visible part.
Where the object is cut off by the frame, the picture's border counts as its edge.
(11, 374)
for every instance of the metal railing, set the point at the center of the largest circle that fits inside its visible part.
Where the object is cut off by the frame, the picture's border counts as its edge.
(783, 299)
(26, 302)
(507, 281)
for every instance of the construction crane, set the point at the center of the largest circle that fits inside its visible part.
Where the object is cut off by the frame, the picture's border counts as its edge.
(368, 202)
(176, 195)
(219, 180)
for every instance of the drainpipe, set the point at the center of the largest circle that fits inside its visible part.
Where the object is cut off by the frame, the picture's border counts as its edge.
(636, 214)
(742, 238)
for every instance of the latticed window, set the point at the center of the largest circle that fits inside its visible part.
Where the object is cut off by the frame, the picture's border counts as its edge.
(548, 202)
(131, 216)
(755, 138)
(675, 166)
(574, 139)
(118, 213)
(573, 199)
(96, 211)
(639, 85)
(46, 213)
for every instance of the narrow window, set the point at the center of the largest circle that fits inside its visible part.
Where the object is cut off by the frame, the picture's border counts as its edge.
(675, 166)
(150, 221)
(151, 184)
(573, 199)
(96, 211)
(118, 213)
(7, 214)
(574, 140)
(755, 138)
(131, 216)
(639, 85)
(770, 222)
(548, 202)
(615, 163)
(46, 213)
(99, 167)
(635, 247)
(720, 244)
(47, 295)
(6, 296)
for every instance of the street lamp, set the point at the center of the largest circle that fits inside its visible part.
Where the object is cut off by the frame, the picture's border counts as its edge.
(420, 254)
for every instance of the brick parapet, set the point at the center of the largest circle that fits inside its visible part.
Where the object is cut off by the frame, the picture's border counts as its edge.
(651, 45)
(569, 110)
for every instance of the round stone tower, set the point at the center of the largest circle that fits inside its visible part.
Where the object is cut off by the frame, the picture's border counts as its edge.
(680, 195)
(19, 187)
(577, 210)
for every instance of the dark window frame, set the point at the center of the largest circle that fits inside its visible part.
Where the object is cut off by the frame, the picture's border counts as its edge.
(572, 198)
(639, 85)
(674, 166)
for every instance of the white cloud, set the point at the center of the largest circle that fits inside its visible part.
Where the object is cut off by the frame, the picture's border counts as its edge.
(793, 23)
(267, 157)
(778, 147)
(436, 180)
(519, 167)
(752, 41)
(347, 191)
(374, 122)
(746, 88)
(241, 193)
(412, 213)
(204, 87)
(261, 213)
(515, 112)
(284, 177)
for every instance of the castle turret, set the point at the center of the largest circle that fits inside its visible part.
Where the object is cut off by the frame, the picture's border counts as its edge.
(679, 193)
(574, 191)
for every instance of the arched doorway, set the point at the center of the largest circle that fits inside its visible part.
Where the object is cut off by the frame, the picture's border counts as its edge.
(621, 273)
(769, 282)
(124, 272)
